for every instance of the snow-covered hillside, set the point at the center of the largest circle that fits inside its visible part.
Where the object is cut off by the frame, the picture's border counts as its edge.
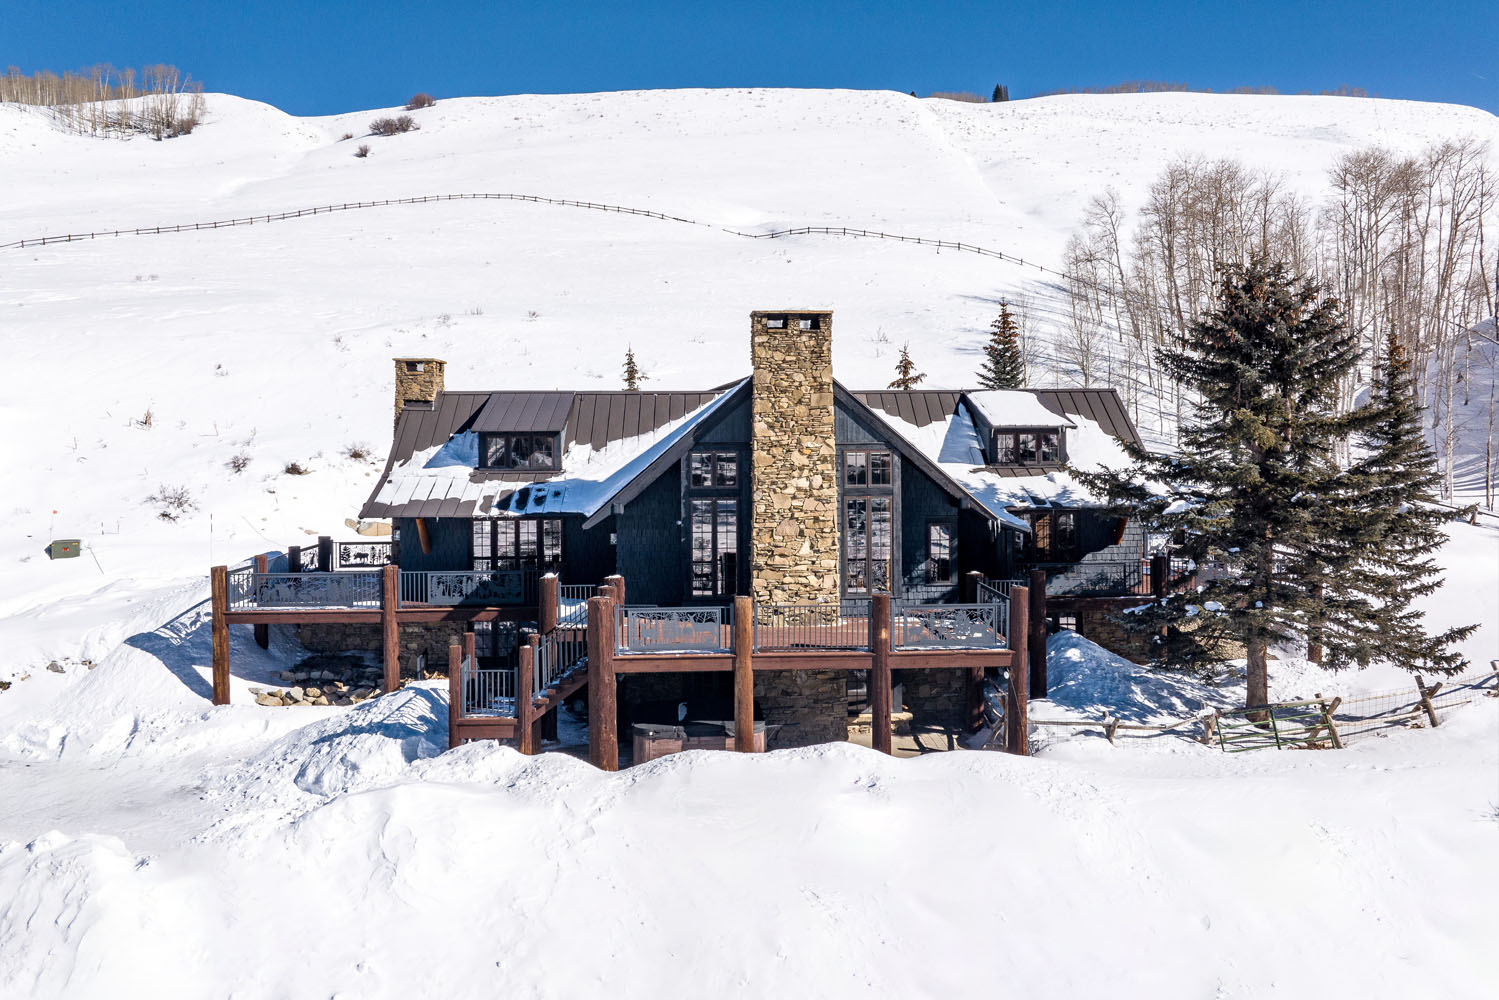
(273, 341)
(148, 838)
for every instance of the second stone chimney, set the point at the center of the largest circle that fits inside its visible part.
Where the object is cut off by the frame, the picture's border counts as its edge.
(418, 381)
(793, 458)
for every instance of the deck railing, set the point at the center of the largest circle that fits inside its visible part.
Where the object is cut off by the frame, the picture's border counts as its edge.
(488, 691)
(791, 627)
(249, 590)
(948, 626)
(454, 587)
(1096, 579)
(996, 591)
(672, 630)
(354, 555)
(558, 653)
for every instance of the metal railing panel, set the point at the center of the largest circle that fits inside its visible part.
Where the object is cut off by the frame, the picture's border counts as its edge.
(673, 630)
(356, 555)
(455, 587)
(488, 692)
(947, 626)
(357, 589)
(793, 627)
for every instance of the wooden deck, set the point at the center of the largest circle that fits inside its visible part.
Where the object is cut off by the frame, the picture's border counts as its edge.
(846, 641)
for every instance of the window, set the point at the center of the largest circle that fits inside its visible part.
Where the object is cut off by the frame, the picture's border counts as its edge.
(939, 552)
(495, 644)
(866, 544)
(1029, 447)
(416, 366)
(709, 470)
(516, 543)
(714, 523)
(868, 468)
(806, 323)
(537, 452)
(775, 323)
(1065, 535)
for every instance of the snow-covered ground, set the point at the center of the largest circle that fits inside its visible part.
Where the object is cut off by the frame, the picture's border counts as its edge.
(152, 843)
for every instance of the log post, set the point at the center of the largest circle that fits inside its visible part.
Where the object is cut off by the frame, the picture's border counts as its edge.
(294, 558)
(1037, 638)
(1111, 728)
(525, 685)
(1426, 693)
(1160, 569)
(1017, 714)
(218, 581)
(548, 600)
(424, 536)
(1209, 726)
(879, 675)
(971, 581)
(618, 583)
(455, 690)
(390, 628)
(262, 630)
(1332, 729)
(744, 674)
(324, 554)
(603, 729)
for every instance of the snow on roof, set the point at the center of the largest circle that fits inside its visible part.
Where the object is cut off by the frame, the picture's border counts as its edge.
(1016, 408)
(954, 445)
(588, 478)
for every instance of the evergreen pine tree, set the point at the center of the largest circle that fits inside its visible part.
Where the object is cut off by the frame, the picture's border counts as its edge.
(906, 375)
(633, 376)
(996, 98)
(1384, 531)
(1246, 491)
(1004, 365)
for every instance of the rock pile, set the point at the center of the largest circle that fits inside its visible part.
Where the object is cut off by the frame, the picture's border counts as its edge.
(323, 680)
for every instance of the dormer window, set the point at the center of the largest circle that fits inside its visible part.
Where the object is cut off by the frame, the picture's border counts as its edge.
(1040, 446)
(520, 452)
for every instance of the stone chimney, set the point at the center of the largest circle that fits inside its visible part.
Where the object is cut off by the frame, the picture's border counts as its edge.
(418, 381)
(794, 525)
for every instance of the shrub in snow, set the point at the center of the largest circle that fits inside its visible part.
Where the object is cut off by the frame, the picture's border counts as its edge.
(172, 501)
(358, 452)
(295, 469)
(238, 463)
(419, 101)
(362, 151)
(391, 126)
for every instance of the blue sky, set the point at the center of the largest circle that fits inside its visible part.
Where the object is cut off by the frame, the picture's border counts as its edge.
(321, 58)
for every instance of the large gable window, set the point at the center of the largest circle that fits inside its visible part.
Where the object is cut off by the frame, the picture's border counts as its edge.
(1042, 446)
(713, 521)
(868, 519)
(520, 452)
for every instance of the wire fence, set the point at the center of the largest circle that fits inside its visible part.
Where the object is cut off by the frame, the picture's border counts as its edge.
(1315, 723)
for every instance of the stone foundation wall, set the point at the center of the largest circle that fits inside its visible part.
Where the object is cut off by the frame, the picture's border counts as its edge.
(1099, 627)
(934, 697)
(793, 458)
(431, 640)
(803, 707)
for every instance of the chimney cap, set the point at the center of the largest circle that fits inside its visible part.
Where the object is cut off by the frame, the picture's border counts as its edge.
(792, 312)
(439, 361)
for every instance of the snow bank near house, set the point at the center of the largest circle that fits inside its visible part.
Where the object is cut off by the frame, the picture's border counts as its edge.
(814, 873)
(1092, 682)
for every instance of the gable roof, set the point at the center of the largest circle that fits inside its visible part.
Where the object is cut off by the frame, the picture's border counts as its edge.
(431, 471)
(617, 443)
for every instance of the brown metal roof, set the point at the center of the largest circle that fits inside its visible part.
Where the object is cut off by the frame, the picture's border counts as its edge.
(599, 418)
(927, 406)
(524, 411)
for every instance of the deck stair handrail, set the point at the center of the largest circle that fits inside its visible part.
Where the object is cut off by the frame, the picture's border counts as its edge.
(643, 629)
(947, 626)
(794, 627)
(996, 591)
(487, 691)
(249, 590)
(557, 654)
